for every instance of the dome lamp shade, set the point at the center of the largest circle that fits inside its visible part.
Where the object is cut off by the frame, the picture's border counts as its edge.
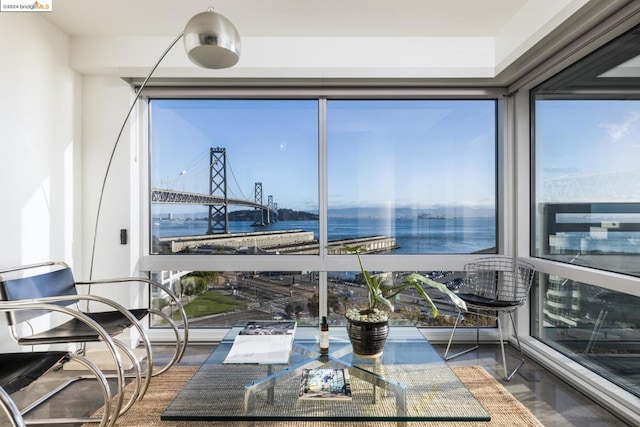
(211, 41)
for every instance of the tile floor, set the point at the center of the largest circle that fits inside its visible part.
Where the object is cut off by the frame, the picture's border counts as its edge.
(552, 401)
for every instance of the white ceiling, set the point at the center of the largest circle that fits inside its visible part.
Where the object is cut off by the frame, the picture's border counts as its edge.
(286, 18)
(425, 39)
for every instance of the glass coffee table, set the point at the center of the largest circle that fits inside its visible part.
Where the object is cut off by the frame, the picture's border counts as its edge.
(408, 382)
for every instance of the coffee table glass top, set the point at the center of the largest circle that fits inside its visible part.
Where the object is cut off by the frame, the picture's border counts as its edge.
(408, 382)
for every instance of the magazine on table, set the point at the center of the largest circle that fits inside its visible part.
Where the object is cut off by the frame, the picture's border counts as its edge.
(325, 383)
(263, 342)
(269, 327)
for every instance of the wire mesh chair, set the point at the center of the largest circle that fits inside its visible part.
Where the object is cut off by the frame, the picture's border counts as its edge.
(494, 286)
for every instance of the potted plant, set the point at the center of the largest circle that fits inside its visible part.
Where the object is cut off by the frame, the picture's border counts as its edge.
(368, 326)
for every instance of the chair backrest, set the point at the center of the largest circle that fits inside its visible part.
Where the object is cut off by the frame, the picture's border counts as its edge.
(501, 278)
(49, 284)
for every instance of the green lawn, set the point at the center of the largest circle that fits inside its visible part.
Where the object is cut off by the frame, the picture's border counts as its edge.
(210, 303)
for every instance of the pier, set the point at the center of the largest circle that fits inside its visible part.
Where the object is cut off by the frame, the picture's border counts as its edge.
(294, 241)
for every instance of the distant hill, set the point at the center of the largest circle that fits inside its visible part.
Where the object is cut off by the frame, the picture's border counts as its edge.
(291, 215)
(283, 215)
(440, 212)
(362, 212)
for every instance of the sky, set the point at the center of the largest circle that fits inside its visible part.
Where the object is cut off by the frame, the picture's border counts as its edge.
(592, 144)
(394, 153)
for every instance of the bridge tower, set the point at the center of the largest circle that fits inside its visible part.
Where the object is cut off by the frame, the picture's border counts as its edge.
(259, 212)
(218, 214)
(270, 209)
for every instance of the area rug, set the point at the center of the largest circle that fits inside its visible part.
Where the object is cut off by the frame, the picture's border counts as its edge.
(505, 410)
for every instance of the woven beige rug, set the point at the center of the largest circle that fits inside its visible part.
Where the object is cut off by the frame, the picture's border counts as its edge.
(505, 409)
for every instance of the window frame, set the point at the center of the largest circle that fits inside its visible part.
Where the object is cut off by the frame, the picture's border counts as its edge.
(602, 391)
(322, 262)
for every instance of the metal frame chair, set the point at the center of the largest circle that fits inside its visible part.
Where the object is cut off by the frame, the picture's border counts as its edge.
(181, 338)
(11, 410)
(19, 370)
(56, 285)
(494, 286)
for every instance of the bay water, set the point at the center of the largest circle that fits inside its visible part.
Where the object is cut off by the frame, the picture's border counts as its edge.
(414, 236)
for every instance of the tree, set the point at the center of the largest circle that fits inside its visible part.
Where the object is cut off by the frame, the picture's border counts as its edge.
(313, 304)
(210, 277)
(201, 285)
(333, 301)
(288, 309)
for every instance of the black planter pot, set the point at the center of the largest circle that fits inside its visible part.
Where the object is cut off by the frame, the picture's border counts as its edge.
(367, 338)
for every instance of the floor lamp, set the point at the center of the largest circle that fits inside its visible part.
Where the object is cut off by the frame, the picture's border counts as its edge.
(210, 41)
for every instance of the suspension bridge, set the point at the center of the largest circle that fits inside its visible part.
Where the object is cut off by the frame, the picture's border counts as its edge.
(218, 239)
(217, 198)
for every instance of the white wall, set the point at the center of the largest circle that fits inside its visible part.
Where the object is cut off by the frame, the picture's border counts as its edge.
(105, 102)
(56, 133)
(39, 146)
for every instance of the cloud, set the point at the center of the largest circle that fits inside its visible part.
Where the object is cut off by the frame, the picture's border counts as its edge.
(617, 131)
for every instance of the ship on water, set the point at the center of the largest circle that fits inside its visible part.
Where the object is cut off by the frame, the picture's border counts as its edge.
(429, 216)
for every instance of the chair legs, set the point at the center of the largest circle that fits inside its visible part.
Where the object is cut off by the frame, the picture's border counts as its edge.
(11, 410)
(137, 375)
(106, 419)
(446, 353)
(521, 361)
(507, 375)
(180, 343)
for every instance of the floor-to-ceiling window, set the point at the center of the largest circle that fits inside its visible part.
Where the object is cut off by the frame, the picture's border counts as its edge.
(586, 209)
(258, 193)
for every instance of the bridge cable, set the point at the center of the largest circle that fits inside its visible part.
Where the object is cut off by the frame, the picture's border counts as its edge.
(233, 175)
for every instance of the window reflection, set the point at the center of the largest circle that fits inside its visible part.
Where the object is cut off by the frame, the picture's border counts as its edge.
(596, 327)
(601, 235)
(586, 208)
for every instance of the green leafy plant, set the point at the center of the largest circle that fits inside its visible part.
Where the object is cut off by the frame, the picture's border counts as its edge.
(380, 294)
